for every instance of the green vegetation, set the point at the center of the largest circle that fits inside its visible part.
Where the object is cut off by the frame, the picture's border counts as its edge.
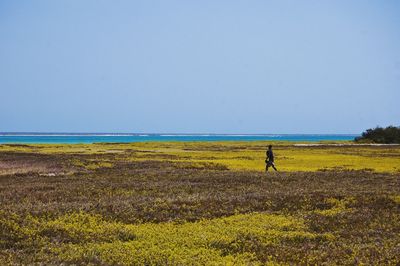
(386, 135)
(199, 203)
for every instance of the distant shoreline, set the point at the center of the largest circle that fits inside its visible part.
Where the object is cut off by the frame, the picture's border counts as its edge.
(60, 138)
(160, 134)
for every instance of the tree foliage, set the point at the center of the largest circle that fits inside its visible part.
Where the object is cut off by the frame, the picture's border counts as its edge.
(390, 134)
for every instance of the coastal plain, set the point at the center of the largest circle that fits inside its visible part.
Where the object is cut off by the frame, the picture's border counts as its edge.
(199, 203)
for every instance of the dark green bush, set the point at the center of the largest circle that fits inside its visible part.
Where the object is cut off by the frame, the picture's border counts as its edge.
(390, 134)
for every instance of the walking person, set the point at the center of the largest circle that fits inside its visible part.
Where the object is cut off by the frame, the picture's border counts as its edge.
(270, 159)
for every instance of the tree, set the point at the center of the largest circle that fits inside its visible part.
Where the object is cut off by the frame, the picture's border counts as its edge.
(390, 134)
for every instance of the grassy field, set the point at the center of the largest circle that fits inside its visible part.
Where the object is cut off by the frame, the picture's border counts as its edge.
(199, 203)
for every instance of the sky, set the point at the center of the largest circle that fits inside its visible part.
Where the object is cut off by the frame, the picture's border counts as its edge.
(199, 66)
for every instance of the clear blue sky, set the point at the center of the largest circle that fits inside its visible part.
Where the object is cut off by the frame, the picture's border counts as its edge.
(199, 66)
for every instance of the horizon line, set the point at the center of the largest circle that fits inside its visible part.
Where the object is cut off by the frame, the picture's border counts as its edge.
(38, 133)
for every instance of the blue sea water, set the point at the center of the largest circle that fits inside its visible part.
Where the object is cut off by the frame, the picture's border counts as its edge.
(96, 138)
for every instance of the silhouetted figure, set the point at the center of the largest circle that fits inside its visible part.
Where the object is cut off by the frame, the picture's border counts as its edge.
(270, 159)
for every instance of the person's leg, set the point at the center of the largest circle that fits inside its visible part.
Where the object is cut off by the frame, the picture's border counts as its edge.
(273, 166)
(267, 166)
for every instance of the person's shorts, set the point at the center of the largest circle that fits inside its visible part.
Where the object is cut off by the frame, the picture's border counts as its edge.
(270, 163)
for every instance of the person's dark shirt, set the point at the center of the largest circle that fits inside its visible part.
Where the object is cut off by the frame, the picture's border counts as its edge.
(270, 155)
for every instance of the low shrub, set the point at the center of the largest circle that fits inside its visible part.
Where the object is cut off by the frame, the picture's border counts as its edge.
(390, 134)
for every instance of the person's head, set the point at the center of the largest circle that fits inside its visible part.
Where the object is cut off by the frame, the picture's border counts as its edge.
(269, 147)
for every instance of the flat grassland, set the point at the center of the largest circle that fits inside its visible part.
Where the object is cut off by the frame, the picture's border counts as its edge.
(197, 203)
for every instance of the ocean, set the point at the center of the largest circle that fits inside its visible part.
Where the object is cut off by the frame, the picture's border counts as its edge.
(71, 138)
